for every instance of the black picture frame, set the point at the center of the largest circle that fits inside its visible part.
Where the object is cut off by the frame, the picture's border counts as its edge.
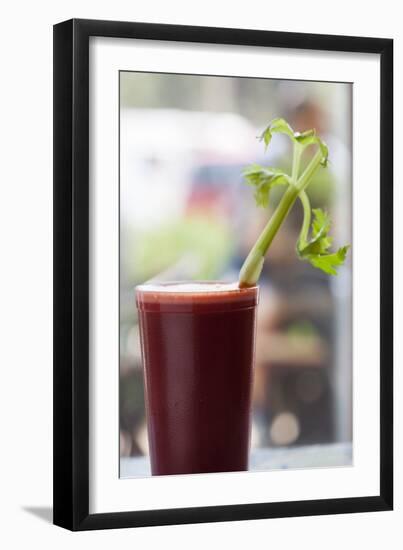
(71, 274)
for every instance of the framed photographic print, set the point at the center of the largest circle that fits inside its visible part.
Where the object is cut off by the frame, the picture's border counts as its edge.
(223, 319)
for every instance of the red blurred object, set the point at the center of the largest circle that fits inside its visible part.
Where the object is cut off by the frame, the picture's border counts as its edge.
(214, 186)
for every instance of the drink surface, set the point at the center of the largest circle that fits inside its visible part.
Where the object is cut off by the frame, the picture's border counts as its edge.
(198, 350)
(197, 296)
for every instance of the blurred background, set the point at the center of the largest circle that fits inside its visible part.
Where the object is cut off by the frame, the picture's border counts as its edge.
(185, 213)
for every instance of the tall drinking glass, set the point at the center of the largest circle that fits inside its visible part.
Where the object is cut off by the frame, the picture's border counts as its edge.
(197, 343)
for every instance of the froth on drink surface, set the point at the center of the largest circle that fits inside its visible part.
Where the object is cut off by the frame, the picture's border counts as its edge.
(195, 293)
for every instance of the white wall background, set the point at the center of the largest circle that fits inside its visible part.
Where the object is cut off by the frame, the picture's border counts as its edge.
(26, 275)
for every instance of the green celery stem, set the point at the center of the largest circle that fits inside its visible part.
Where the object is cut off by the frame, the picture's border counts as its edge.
(252, 267)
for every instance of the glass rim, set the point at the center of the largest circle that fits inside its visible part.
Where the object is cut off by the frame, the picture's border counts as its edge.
(198, 286)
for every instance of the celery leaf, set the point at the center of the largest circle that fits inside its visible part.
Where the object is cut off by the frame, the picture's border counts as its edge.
(263, 179)
(309, 137)
(316, 249)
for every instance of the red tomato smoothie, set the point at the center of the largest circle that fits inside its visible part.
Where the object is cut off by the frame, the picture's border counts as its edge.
(197, 344)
